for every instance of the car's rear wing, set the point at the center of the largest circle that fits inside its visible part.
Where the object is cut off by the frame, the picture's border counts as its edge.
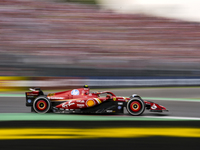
(30, 96)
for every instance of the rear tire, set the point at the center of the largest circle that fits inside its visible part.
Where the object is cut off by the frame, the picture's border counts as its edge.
(135, 106)
(41, 105)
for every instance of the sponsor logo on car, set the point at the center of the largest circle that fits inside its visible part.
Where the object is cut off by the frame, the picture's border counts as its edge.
(55, 97)
(80, 101)
(90, 103)
(153, 106)
(29, 100)
(121, 99)
(51, 94)
(120, 103)
(30, 96)
(119, 107)
(109, 111)
(67, 104)
(80, 105)
(75, 92)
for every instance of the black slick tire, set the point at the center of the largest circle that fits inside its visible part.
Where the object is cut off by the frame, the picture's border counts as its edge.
(135, 106)
(41, 105)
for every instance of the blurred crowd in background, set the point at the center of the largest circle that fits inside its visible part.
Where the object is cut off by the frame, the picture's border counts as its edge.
(47, 34)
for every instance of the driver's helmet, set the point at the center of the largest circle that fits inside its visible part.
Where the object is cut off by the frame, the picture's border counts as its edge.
(85, 86)
(86, 89)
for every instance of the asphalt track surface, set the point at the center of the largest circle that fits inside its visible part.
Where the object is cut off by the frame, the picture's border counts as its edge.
(176, 106)
(155, 135)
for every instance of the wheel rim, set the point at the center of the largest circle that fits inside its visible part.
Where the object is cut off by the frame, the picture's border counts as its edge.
(135, 106)
(41, 105)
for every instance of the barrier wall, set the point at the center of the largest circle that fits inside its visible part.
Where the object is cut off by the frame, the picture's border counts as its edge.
(21, 83)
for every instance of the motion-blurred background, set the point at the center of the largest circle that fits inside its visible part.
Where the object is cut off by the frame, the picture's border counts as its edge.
(61, 43)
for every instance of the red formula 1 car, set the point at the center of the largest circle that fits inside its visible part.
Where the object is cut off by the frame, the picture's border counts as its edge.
(82, 101)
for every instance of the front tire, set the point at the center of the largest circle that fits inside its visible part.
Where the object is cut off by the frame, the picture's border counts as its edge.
(135, 106)
(41, 105)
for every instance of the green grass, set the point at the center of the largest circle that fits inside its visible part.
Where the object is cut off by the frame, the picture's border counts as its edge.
(75, 117)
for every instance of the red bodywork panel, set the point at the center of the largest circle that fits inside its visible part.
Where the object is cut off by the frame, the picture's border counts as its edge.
(82, 98)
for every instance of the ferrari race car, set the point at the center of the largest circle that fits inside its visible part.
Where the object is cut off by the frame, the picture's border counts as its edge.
(83, 101)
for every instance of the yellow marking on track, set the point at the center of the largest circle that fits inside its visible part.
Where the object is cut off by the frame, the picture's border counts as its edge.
(73, 133)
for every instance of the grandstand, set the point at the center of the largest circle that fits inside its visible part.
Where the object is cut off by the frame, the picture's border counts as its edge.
(40, 34)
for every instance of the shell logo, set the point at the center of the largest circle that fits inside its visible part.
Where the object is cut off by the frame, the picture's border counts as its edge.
(90, 103)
